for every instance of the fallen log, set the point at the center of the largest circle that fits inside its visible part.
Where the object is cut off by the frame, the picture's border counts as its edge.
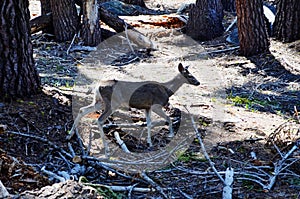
(40, 23)
(112, 20)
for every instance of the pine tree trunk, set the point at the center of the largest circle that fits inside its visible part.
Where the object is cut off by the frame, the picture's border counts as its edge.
(252, 30)
(65, 19)
(91, 32)
(46, 9)
(228, 5)
(18, 76)
(135, 2)
(287, 21)
(205, 20)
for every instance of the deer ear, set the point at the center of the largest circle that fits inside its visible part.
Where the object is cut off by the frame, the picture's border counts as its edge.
(180, 67)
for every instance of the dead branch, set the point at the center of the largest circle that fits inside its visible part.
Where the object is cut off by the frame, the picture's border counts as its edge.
(113, 21)
(154, 184)
(53, 175)
(40, 23)
(279, 166)
(42, 140)
(121, 188)
(198, 135)
(3, 191)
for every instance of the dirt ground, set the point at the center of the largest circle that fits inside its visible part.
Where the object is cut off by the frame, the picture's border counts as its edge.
(244, 105)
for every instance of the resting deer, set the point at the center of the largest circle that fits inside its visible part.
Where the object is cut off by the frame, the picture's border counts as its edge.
(149, 95)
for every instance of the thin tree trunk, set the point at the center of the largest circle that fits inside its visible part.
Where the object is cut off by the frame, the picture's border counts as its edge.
(91, 32)
(18, 76)
(252, 30)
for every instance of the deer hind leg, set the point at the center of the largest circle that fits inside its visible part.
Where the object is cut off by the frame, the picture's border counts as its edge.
(82, 112)
(148, 120)
(158, 110)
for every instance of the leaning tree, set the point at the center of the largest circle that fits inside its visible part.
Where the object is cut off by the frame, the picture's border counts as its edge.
(287, 21)
(251, 27)
(18, 76)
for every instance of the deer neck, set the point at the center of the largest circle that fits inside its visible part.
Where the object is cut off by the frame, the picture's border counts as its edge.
(174, 84)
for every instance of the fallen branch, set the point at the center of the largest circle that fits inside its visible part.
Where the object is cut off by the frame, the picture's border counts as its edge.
(40, 23)
(155, 185)
(279, 166)
(198, 135)
(42, 140)
(120, 188)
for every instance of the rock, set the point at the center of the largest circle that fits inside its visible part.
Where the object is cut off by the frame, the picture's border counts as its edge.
(68, 189)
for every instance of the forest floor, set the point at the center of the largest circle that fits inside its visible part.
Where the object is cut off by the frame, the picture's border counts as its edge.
(244, 106)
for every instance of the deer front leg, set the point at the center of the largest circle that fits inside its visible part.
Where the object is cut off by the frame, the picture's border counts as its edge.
(148, 120)
(106, 149)
(158, 110)
(82, 112)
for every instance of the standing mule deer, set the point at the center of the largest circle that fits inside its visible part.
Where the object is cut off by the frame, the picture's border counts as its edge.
(149, 95)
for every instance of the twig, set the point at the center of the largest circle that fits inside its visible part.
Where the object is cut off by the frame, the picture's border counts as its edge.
(83, 48)
(53, 175)
(68, 51)
(96, 163)
(154, 184)
(130, 190)
(121, 188)
(279, 166)
(67, 162)
(3, 191)
(220, 51)
(203, 148)
(121, 142)
(42, 140)
(231, 25)
(126, 33)
(185, 194)
(71, 149)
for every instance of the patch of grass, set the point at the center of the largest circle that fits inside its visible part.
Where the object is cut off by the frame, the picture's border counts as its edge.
(59, 67)
(108, 193)
(102, 190)
(186, 157)
(31, 103)
(251, 103)
(294, 181)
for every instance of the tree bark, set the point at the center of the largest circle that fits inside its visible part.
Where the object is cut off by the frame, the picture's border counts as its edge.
(65, 19)
(228, 5)
(43, 22)
(45, 11)
(113, 21)
(252, 30)
(18, 76)
(135, 2)
(205, 20)
(287, 21)
(91, 32)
